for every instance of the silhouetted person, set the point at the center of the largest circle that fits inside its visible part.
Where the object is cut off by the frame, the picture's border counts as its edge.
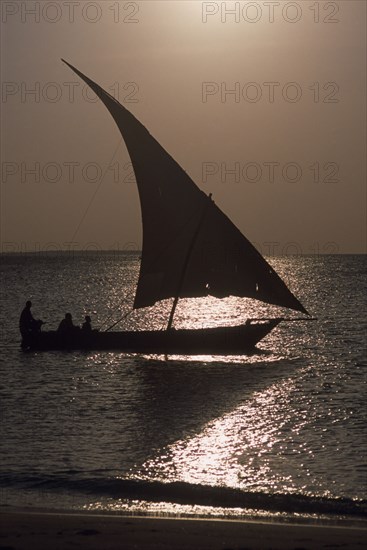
(87, 325)
(28, 325)
(66, 326)
(26, 321)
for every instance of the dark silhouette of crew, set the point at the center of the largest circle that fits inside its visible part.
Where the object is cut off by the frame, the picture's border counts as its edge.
(67, 326)
(26, 321)
(87, 325)
(28, 325)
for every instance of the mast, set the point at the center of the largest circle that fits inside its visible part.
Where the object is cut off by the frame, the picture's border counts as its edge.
(187, 259)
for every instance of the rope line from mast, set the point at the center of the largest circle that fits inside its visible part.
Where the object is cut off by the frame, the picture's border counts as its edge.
(119, 320)
(95, 192)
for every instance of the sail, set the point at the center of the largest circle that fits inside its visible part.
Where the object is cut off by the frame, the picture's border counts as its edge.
(177, 258)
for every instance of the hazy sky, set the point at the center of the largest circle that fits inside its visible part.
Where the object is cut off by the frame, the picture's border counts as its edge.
(283, 154)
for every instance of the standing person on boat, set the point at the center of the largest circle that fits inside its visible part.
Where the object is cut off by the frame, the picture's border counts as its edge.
(28, 324)
(67, 325)
(26, 321)
(87, 326)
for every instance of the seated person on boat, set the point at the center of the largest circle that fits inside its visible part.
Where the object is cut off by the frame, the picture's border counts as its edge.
(87, 325)
(67, 326)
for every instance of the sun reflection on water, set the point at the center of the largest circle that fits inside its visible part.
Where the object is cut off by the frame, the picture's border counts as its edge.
(256, 447)
(175, 510)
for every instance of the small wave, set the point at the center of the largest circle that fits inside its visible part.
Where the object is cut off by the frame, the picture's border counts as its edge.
(186, 493)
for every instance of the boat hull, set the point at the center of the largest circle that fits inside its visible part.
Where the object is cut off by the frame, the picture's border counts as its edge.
(236, 340)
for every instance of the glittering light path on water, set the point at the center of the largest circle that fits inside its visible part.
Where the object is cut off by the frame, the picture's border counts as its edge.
(266, 444)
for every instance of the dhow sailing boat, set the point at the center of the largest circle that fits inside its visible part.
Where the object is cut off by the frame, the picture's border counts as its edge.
(190, 249)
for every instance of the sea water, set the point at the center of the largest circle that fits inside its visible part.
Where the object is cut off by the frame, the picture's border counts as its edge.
(282, 431)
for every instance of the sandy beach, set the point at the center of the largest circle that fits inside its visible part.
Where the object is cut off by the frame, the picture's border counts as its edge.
(34, 530)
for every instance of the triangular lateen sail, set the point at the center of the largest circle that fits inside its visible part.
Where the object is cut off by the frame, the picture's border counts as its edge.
(222, 262)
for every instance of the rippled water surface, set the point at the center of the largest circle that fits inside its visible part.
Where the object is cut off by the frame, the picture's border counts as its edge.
(96, 430)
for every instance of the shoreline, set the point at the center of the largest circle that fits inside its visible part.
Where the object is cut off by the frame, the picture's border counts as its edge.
(206, 513)
(22, 529)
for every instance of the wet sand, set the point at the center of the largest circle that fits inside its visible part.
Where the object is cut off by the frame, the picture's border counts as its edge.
(53, 531)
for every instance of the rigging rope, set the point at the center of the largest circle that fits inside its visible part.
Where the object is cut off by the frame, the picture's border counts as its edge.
(119, 320)
(90, 204)
(96, 191)
(115, 310)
